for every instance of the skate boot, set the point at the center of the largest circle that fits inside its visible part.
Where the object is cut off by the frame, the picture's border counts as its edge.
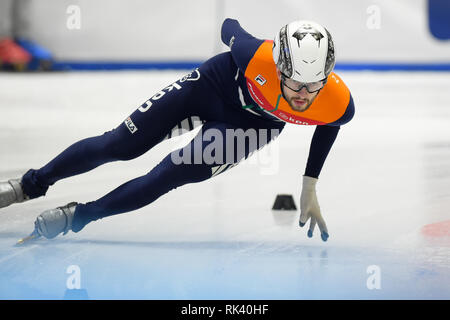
(51, 223)
(11, 192)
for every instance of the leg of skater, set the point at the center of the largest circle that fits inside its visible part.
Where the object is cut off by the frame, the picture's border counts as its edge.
(187, 165)
(173, 107)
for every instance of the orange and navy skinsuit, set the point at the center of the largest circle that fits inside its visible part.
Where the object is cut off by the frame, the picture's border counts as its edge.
(235, 90)
(260, 93)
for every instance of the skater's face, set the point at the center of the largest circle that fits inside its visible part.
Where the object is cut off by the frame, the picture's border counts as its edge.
(297, 100)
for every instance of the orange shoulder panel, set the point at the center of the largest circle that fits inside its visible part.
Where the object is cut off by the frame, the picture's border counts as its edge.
(264, 87)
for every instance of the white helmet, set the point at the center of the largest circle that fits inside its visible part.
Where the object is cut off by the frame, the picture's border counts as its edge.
(304, 51)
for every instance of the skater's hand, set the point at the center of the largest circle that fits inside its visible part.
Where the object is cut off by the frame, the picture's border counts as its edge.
(309, 208)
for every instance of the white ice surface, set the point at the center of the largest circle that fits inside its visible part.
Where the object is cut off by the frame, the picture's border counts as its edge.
(387, 176)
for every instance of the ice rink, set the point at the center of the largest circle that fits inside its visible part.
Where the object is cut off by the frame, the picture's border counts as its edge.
(384, 192)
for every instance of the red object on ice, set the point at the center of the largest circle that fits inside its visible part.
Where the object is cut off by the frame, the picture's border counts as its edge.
(439, 229)
(12, 53)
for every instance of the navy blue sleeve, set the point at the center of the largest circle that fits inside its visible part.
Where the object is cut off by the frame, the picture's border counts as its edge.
(321, 143)
(242, 44)
(323, 139)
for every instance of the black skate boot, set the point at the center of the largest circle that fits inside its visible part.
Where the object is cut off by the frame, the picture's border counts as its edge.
(11, 192)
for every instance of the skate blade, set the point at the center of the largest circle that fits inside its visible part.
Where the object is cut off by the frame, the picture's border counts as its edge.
(33, 236)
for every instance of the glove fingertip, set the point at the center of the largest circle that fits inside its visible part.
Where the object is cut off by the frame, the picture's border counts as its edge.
(310, 233)
(324, 236)
(301, 224)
